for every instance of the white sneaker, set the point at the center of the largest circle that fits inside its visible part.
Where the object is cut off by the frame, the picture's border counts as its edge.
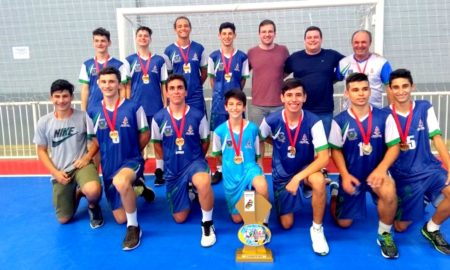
(319, 243)
(208, 234)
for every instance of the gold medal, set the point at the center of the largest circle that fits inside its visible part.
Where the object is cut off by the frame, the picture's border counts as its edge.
(238, 159)
(186, 68)
(179, 141)
(404, 146)
(114, 134)
(367, 149)
(146, 79)
(291, 150)
(227, 76)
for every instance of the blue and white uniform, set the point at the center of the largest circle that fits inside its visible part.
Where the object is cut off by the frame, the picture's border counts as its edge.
(197, 60)
(346, 136)
(181, 162)
(417, 172)
(125, 153)
(237, 177)
(311, 139)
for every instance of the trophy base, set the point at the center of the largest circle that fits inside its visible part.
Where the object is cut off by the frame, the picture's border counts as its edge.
(255, 255)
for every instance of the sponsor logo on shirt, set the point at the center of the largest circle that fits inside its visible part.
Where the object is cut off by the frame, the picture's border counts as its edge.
(304, 139)
(377, 133)
(125, 122)
(195, 57)
(155, 69)
(237, 68)
(248, 145)
(190, 130)
(420, 125)
(62, 135)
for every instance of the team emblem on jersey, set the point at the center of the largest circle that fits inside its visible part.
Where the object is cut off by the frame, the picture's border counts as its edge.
(168, 131)
(137, 67)
(102, 123)
(190, 130)
(248, 145)
(155, 69)
(176, 58)
(351, 134)
(220, 66)
(304, 139)
(125, 122)
(376, 133)
(195, 57)
(420, 125)
(229, 144)
(281, 137)
(93, 71)
(237, 68)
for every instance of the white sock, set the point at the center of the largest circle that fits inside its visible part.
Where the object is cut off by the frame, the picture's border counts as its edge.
(432, 227)
(382, 228)
(132, 219)
(207, 215)
(316, 226)
(160, 164)
(219, 168)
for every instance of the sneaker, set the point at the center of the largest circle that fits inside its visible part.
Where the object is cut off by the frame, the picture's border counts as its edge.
(437, 240)
(132, 238)
(159, 180)
(217, 177)
(208, 234)
(319, 243)
(142, 190)
(95, 216)
(193, 195)
(307, 191)
(387, 244)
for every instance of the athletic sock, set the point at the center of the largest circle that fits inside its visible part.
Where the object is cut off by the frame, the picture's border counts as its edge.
(207, 215)
(382, 228)
(160, 164)
(316, 226)
(132, 219)
(432, 227)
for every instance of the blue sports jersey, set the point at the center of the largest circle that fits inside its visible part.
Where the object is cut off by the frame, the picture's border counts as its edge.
(418, 162)
(345, 135)
(88, 75)
(311, 139)
(148, 95)
(195, 131)
(130, 122)
(239, 69)
(196, 61)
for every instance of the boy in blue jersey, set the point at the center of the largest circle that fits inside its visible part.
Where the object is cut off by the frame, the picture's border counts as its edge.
(364, 144)
(237, 141)
(90, 91)
(119, 128)
(146, 85)
(181, 135)
(188, 58)
(228, 69)
(417, 172)
(300, 150)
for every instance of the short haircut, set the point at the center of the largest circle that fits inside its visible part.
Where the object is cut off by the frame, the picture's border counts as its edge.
(173, 77)
(60, 85)
(226, 25)
(401, 73)
(267, 22)
(292, 83)
(181, 18)
(356, 77)
(312, 28)
(102, 32)
(237, 94)
(362, 31)
(144, 28)
(110, 70)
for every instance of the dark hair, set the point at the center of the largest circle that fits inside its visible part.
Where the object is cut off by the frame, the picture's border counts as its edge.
(267, 22)
(227, 25)
(144, 28)
(401, 73)
(237, 94)
(292, 83)
(362, 31)
(181, 18)
(102, 32)
(110, 70)
(312, 28)
(356, 77)
(61, 85)
(173, 77)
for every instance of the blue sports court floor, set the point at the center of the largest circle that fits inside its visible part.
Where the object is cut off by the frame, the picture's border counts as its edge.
(31, 238)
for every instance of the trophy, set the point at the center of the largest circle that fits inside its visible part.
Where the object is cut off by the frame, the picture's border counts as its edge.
(253, 234)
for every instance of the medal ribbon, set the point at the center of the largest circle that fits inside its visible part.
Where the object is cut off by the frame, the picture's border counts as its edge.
(237, 148)
(97, 66)
(365, 135)
(403, 135)
(359, 68)
(111, 125)
(226, 66)
(147, 65)
(297, 129)
(184, 56)
(178, 132)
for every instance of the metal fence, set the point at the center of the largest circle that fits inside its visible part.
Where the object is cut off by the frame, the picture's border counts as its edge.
(18, 120)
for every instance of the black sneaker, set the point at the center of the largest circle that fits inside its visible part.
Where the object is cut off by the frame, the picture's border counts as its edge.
(437, 240)
(217, 177)
(142, 190)
(208, 234)
(95, 216)
(159, 180)
(387, 244)
(132, 238)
